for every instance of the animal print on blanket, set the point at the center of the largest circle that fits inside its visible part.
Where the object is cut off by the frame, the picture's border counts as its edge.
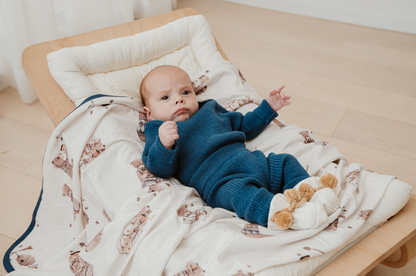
(92, 150)
(149, 180)
(308, 138)
(352, 178)
(364, 214)
(133, 230)
(105, 105)
(79, 266)
(192, 269)
(200, 84)
(94, 242)
(62, 161)
(252, 230)
(140, 128)
(67, 192)
(25, 259)
(190, 216)
(236, 104)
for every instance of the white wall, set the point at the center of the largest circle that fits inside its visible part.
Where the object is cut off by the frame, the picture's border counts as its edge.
(394, 15)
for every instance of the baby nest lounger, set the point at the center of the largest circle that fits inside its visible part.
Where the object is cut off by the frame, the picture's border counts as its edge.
(112, 61)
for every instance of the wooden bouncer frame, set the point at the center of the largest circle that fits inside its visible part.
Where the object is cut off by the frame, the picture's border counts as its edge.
(393, 244)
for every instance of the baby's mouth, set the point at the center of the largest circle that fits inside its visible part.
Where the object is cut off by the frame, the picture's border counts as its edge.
(181, 110)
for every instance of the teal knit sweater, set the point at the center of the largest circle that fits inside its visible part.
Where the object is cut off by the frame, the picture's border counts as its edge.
(210, 156)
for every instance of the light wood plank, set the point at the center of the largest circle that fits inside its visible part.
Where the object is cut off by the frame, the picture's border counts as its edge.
(50, 94)
(378, 55)
(269, 53)
(376, 160)
(276, 32)
(309, 114)
(361, 73)
(368, 253)
(330, 91)
(17, 201)
(381, 270)
(381, 77)
(314, 26)
(34, 114)
(34, 170)
(5, 243)
(21, 145)
(378, 133)
(406, 253)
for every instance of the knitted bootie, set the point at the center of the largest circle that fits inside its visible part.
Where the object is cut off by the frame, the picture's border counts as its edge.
(321, 191)
(309, 216)
(292, 211)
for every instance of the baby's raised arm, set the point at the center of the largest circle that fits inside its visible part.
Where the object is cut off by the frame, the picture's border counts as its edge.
(168, 134)
(277, 99)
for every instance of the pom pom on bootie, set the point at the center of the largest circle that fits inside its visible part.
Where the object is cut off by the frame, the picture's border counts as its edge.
(306, 206)
(292, 211)
(314, 189)
(282, 208)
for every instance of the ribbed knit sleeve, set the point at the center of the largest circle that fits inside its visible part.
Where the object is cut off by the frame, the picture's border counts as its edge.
(254, 122)
(159, 160)
(265, 112)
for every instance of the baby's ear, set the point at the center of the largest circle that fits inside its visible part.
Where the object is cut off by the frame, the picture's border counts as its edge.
(148, 113)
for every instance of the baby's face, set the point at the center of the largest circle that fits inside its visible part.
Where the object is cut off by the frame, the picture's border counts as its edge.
(170, 95)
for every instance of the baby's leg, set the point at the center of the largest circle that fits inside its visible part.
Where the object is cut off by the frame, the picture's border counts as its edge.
(245, 197)
(285, 172)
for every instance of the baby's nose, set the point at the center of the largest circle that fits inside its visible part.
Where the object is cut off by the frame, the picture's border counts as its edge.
(179, 101)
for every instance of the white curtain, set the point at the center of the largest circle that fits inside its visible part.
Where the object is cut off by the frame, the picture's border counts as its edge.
(27, 22)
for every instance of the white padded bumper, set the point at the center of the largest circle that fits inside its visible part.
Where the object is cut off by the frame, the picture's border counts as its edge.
(117, 66)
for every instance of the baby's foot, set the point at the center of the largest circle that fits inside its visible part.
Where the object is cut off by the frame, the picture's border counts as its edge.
(323, 193)
(309, 216)
(299, 216)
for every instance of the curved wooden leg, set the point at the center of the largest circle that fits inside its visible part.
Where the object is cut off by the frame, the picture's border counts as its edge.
(402, 256)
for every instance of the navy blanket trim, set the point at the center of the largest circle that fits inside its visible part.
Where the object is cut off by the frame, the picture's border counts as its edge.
(6, 259)
(90, 98)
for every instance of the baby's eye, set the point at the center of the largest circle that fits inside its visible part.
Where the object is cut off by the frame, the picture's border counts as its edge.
(164, 98)
(185, 93)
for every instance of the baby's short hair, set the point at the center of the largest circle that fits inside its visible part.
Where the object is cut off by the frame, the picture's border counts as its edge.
(142, 92)
(142, 87)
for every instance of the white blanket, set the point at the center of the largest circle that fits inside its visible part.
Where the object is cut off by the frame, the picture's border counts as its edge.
(103, 213)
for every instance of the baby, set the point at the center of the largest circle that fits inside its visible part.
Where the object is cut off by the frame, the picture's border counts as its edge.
(203, 146)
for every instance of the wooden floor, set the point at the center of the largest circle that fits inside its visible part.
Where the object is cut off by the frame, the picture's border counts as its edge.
(353, 86)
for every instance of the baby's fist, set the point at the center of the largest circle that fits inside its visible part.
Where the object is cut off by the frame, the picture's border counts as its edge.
(168, 134)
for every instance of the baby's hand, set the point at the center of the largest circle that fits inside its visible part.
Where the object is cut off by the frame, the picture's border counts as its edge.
(168, 134)
(277, 99)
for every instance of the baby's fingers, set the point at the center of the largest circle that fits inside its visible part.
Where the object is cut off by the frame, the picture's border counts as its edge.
(287, 97)
(174, 137)
(172, 131)
(170, 124)
(276, 91)
(280, 88)
(271, 93)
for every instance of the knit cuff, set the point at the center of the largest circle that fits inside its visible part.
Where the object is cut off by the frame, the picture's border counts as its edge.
(162, 154)
(265, 112)
(258, 210)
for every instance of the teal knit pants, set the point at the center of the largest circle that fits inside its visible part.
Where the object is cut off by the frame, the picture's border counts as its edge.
(249, 197)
